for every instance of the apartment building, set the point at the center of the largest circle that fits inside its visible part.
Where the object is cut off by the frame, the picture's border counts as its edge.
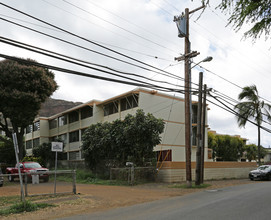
(70, 125)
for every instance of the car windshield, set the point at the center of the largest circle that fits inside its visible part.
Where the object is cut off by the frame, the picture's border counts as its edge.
(263, 167)
(32, 165)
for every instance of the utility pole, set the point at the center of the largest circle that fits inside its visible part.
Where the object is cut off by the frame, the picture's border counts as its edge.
(199, 137)
(203, 133)
(182, 22)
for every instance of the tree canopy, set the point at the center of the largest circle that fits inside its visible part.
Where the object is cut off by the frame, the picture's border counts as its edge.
(225, 147)
(7, 154)
(251, 107)
(131, 139)
(242, 12)
(23, 88)
(46, 156)
(251, 152)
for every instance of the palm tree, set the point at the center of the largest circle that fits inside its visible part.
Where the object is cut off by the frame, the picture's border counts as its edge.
(251, 107)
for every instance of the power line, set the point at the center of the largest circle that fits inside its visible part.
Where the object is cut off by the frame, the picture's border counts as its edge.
(142, 84)
(168, 74)
(109, 22)
(128, 21)
(70, 59)
(138, 52)
(99, 26)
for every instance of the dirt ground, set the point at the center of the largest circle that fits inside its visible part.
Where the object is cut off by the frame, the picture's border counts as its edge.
(93, 198)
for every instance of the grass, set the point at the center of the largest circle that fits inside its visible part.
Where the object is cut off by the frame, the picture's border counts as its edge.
(21, 207)
(87, 177)
(184, 186)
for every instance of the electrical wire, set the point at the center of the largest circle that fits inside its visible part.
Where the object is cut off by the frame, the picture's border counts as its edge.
(138, 83)
(70, 59)
(168, 74)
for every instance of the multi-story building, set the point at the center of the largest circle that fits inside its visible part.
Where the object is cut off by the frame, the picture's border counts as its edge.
(70, 124)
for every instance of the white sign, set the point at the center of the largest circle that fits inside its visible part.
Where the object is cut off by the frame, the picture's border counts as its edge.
(57, 146)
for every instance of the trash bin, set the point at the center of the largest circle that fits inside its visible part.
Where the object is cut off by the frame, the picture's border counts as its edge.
(35, 179)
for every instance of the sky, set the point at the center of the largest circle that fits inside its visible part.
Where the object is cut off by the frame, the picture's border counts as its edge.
(141, 30)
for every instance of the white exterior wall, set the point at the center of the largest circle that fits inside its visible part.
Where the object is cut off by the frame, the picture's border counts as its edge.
(169, 108)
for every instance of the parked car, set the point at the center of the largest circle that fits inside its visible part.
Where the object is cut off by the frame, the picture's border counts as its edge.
(262, 173)
(1, 179)
(31, 168)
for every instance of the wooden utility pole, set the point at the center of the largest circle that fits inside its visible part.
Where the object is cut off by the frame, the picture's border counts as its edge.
(183, 28)
(187, 97)
(199, 137)
(203, 133)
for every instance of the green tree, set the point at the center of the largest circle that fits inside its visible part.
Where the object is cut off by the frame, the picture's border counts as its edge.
(131, 139)
(7, 154)
(252, 107)
(225, 147)
(46, 156)
(251, 152)
(257, 13)
(23, 88)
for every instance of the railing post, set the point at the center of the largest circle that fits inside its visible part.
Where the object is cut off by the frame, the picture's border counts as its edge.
(25, 184)
(74, 182)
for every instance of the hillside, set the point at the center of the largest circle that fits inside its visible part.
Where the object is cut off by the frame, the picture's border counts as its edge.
(54, 106)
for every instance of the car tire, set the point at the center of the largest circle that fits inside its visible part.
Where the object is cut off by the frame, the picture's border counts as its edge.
(1, 184)
(10, 178)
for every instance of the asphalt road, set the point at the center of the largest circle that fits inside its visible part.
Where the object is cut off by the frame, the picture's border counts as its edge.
(250, 201)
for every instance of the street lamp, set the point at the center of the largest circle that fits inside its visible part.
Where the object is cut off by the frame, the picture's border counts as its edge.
(207, 59)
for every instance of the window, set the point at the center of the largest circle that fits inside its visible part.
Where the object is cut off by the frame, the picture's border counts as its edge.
(53, 123)
(29, 129)
(194, 135)
(194, 113)
(36, 142)
(36, 126)
(129, 102)
(73, 116)
(86, 112)
(74, 136)
(74, 155)
(111, 108)
(53, 139)
(62, 120)
(28, 144)
(164, 155)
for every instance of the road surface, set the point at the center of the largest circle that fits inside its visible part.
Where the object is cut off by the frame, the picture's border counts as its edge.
(250, 201)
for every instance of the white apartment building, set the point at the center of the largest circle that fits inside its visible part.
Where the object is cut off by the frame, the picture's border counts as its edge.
(70, 124)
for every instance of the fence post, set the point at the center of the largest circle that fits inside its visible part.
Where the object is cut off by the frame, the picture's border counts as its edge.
(25, 184)
(74, 182)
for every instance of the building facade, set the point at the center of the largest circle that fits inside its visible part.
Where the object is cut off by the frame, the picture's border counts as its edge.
(69, 125)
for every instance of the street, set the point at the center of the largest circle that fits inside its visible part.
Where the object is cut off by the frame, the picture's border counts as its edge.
(250, 201)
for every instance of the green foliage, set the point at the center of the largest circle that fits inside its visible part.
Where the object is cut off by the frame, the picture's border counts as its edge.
(251, 152)
(131, 139)
(46, 156)
(257, 13)
(21, 207)
(23, 88)
(251, 107)
(7, 154)
(225, 147)
(32, 159)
